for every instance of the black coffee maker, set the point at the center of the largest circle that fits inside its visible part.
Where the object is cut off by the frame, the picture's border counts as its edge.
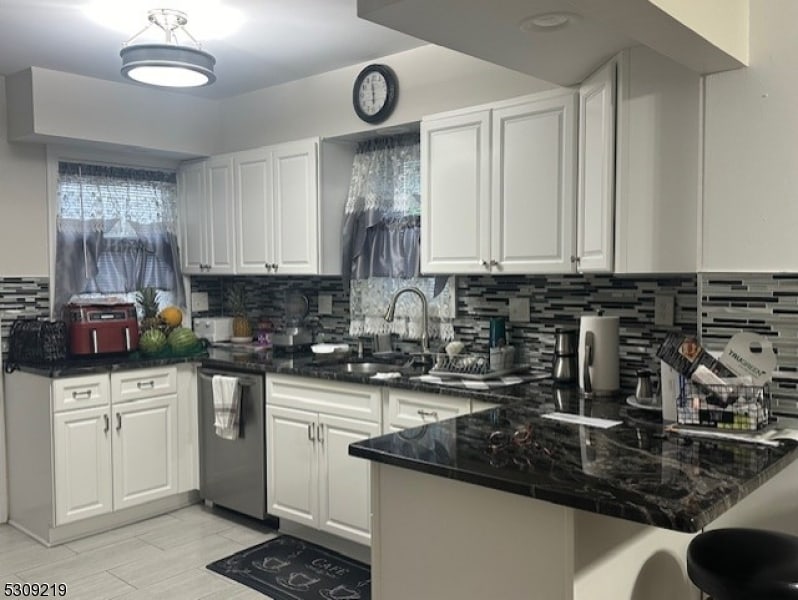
(564, 366)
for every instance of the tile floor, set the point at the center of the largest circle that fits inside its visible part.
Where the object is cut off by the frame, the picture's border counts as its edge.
(163, 557)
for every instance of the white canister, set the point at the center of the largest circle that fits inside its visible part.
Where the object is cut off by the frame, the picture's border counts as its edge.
(603, 359)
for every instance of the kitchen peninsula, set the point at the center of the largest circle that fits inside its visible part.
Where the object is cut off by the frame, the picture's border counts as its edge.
(507, 504)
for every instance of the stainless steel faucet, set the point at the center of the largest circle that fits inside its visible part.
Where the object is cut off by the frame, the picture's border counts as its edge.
(389, 314)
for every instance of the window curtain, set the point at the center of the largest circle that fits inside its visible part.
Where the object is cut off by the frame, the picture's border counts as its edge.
(116, 232)
(381, 242)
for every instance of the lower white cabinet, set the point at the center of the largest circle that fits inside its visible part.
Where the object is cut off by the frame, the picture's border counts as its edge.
(82, 464)
(412, 409)
(144, 450)
(105, 443)
(311, 479)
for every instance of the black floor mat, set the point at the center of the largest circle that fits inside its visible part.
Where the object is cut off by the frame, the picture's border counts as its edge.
(287, 568)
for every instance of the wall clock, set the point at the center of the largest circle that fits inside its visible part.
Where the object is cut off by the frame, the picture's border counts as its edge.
(374, 93)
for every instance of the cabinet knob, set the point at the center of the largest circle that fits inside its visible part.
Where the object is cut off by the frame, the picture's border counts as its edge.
(274, 266)
(107, 424)
(118, 421)
(268, 266)
(494, 263)
(484, 263)
(575, 260)
(311, 427)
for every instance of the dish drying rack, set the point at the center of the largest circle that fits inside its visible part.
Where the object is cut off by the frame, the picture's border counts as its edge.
(733, 406)
(498, 363)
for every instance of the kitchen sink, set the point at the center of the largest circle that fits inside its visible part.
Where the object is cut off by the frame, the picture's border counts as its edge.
(367, 368)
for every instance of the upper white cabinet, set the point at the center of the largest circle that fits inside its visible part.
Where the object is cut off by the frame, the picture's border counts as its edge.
(206, 213)
(277, 209)
(498, 187)
(657, 162)
(271, 210)
(596, 184)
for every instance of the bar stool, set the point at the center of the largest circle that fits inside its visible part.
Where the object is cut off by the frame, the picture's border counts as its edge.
(744, 564)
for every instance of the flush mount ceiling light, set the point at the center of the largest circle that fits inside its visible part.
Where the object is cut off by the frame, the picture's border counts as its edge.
(168, 64)
(546, 22)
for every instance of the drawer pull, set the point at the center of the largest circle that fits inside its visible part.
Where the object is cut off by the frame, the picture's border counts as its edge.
(321, 434)
(107, 423)
(428, 413)
(311, 426)
(118, 421)
(84, 395)
(145, 385)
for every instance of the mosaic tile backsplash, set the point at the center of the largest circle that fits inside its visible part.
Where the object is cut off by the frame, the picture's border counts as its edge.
(22, 295)
(763, 303)
(555, 301)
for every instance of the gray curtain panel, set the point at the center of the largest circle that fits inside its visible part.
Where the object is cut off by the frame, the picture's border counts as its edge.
(116, 232)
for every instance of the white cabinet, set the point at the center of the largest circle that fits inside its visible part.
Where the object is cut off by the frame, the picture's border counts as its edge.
(277, 209)
(311, 479)
(596, 186)
(82, 464)
(104, 443)
(205, 190)
(506, 171)
(144, 450)
(639, 166)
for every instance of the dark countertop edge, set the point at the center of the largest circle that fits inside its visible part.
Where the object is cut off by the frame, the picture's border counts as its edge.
(681, 522)
(65, 370)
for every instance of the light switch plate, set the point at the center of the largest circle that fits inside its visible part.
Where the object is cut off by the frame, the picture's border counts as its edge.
(664, 308)
(199, 301)
(519, 310)
(325, 304)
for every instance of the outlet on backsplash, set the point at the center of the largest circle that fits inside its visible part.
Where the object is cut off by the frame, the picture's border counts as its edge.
(325, 304)
(519, 310)
(199, 301)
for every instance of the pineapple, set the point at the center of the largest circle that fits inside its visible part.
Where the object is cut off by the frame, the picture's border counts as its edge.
(148, 300)
(241, 325)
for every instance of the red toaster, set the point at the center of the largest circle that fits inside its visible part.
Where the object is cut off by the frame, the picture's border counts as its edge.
(102, 329)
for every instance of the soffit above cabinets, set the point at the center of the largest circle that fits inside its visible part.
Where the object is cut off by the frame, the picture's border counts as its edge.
(686, 31)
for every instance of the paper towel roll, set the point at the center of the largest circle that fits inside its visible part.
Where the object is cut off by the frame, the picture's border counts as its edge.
(604, 375)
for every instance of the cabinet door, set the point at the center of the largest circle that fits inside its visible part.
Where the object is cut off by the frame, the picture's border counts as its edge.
(193, 215)
(455, 194)
(296, 208)
(534, 192)
(596, 195)
(292, 464)
(144, 450)
(254, 215)
(220, 224)
(344, 481)
(82, 464)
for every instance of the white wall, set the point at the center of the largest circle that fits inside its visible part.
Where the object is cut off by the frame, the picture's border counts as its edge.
(431, 79)
(23, 205)
(67, 107)
(750, 217)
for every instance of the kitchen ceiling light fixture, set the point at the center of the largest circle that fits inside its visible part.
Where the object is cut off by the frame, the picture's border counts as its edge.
(546, 22)
(169, 64)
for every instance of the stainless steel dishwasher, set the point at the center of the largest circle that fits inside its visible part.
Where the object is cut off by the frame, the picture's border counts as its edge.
(233, 472)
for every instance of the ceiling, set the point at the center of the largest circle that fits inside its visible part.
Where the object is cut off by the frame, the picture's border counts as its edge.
(278, 40)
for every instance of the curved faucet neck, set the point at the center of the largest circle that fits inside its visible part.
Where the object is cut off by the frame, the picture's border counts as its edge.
(389, 314)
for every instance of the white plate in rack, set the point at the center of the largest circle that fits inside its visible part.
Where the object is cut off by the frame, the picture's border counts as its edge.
(241, 340)
(655, 406)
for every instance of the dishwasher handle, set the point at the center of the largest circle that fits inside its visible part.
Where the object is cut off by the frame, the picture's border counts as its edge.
(244, 382)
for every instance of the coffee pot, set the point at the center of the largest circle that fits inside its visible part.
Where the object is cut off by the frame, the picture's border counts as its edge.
(564, 366)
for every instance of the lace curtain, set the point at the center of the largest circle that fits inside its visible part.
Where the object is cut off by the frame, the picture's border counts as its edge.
(381, 242)
(116, 232)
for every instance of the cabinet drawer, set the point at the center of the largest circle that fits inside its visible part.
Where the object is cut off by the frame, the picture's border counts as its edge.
(85, 391)
(411, 409)
(330, 397)
(143, 383)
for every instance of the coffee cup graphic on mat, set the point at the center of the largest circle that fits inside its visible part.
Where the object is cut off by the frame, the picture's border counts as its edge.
(298, 581)
(270, 564)
(341, 592)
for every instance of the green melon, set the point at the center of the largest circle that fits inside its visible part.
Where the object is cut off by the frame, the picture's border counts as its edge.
(182, 339)
(152, 341)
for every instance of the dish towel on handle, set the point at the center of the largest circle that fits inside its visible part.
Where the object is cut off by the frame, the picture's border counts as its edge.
(226, 406)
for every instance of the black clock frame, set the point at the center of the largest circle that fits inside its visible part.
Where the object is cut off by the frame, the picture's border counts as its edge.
(390, 99)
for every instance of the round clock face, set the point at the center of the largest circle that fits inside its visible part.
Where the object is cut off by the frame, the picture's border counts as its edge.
(374, 93)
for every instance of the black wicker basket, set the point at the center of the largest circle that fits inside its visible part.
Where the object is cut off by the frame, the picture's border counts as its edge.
(35, 341)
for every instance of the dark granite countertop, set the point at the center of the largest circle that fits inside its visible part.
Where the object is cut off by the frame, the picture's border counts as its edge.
(634, 471)
(103, 364)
